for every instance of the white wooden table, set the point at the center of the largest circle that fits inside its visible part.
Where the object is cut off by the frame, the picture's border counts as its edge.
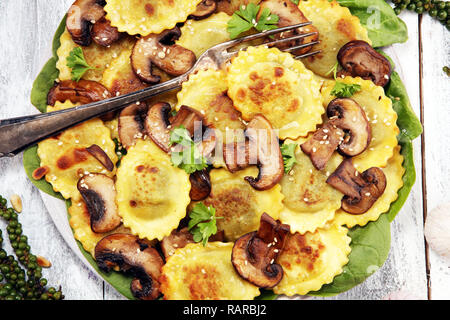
(26, 31)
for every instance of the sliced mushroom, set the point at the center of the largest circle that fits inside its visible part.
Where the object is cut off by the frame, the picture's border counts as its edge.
(82, 15)
(290, 14)
(359, 59)
(200, 185)
(180, 238)
(134, 256)
(204, 9)
(132, 124)
(346, 114)
(99, 194)
(157, 125)
(189, 118)
(254, 254)
(361, 190)
(101, 156)
(261, 148)
(83, 91)
(321, 146)
(171, 58)
(104, 34)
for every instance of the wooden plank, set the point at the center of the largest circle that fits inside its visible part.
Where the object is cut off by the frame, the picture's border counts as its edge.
(26, 42)
(436, 97)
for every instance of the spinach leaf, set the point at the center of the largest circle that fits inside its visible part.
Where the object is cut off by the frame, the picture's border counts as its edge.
(379, 19)
(370, 248)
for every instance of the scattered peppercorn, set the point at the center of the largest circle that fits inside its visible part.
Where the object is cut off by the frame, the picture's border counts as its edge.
(446, 70)
(22, 279)
(439, 10)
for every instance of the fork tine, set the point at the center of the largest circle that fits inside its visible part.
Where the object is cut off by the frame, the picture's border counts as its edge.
(300, 46)
(307, 54)
(262, 34)
(283, 40)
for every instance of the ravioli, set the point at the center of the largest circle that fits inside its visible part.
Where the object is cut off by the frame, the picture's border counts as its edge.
(382, 119)
(309, 202)
(119, 78)
(196, 272)
(394, 172)
(239, 204)
(148, 16)
(66, 157)
(270, 82)
(309, 261)
(336, 26)
(205, 91)
(211, 31)
(96, 56)
(152, 194)
(81, 225)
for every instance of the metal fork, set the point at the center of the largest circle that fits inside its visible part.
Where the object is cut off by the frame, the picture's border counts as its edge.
(17, 134)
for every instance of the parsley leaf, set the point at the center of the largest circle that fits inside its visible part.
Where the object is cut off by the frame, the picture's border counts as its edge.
(189, 158)
(244, 19)
(202, 223)
(288, 153)
(295, 1)
(78, 64)
(334, 70)
(343, 90)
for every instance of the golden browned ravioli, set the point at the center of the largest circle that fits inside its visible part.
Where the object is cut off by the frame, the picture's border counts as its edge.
(196, 272)
(148, 16)
(336, 26)
(240, 205)
(311, 260)
(382, 119)
(67, 158)
(309, 202)
(274, 84)
(152, 194)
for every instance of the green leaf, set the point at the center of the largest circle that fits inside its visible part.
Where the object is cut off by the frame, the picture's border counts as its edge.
(370, 248)
(288, 153)
(77, 63)
(200, 213)
(343, 90)
(267, 21)
(295, 1)
(378, 17)
(202, 223)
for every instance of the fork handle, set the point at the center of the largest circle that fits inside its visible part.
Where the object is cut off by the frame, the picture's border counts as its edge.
(17, 134)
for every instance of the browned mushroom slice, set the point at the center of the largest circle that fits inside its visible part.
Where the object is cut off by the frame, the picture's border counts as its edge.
(157, 125)
(321, 146)
(83, 91)
(263, 143)
(171, 58)
(204, 9)
(290, 14)
(255, 253)
(359, 59)
(180, 238)
(208, 143)
(80, 18)
(132, 124)
(99, 194)
(134, 256)
(101, 156)
(361, 190)
(189, 118)
(346, 114)
(104, 34)
(200, 185)
(236, 155)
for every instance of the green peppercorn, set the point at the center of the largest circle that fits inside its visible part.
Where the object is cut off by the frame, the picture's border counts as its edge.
(43, 282)
(57, 295)
(442, 15)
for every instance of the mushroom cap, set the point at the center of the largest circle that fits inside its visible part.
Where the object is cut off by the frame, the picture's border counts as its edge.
(346, 114)
(80, 18)
(99, 154)
(104, 34)
(135, 256)
(359, 59)
(204, 9)
(157, 124)
(200, 185)
(132, 123)
(83, 91)
(254, 253)
(99, 194)
(153, 49)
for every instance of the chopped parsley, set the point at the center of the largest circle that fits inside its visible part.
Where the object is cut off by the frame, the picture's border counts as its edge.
(189, 158)
(77, 63)
(344, 90)
(295, 1)
(288, 153)
(202, 223)
(245, 19)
